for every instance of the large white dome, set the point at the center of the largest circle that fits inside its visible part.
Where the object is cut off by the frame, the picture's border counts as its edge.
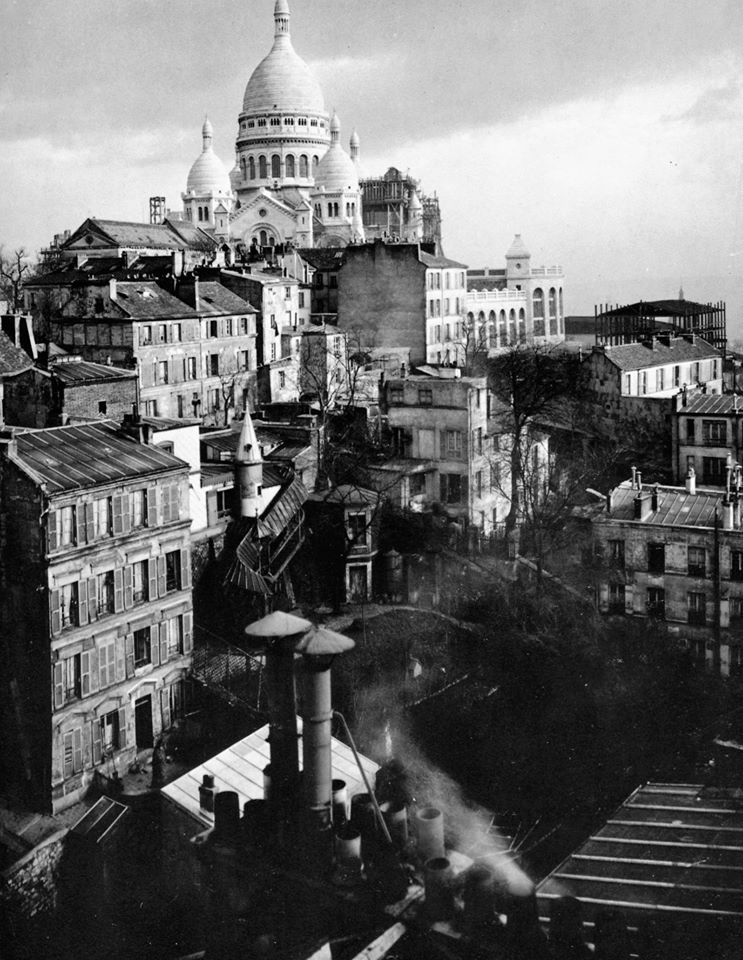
(336, 170)
(282, 81)
(208, 174)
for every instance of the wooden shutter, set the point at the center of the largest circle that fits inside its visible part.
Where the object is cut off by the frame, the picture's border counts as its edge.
(165, 502)
(51, 530)
(77, 750)
(128, 587)
(119, 649)
(165, 707)
(85, 674)
(80, 523)
(185, 570)
(152, 518)
(68, 748)
(126, 513)
(163, 641)
(56, 613)
(90, 521)
(211, 508)
(103, 667)
(87, 756)
(118, 519)
(92, 599)
(154, 644)
(152, 577)
(94, 676)
(162, 583)
(118, 590)
(122, 728)
(129, 647)
(95, 739)
(82, 602)
(175, 501)
(58, 684)
(187, 632)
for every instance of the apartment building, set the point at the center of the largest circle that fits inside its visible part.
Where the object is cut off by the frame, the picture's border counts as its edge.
(95, 605)
(675, 554)
(707, 435)
(438, 425)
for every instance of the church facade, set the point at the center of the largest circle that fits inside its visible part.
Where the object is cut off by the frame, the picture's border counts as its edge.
(293, 183)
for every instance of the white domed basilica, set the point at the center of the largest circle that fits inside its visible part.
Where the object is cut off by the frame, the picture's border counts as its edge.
(293, 182)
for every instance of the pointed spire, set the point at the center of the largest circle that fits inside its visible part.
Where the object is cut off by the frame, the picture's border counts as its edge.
(248, 449)
(681, 293)
(281, 18)
(354, 144)
(335, 129)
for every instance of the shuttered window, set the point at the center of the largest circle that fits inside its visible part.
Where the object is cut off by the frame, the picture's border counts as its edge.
(107, 664)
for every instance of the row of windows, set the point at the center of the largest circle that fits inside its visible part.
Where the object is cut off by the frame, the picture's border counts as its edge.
(112, 591)
(664, 378)
(77, 676)
(77, 524)
(655, 604)
(254, 168)
(92, 743)
(697, 559)
(185, 368)
(173, 332)
(713, 432)
(554, 298)
(334, 210)
(451, 279)
(277, 122)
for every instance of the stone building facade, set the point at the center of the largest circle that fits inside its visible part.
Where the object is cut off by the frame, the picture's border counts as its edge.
(707, 435)
(675, 554)
(95, 604)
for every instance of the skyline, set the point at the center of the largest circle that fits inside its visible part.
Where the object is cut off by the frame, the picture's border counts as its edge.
(615, 151)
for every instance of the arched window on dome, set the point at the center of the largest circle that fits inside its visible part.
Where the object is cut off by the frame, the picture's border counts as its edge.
(330, 209)
(335, 210)
(290, 172)
(251, 167)
(262, 168)
(522, 326)
(492, 332)
(315, 162)
(263, 239)
(242, 167)
(276, 166)
(303, 165)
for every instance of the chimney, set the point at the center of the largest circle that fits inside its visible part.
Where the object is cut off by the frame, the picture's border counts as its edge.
(654, 498)
(112, 288)
(736, 512)
(643, 505)
(639, 481)
(634, 478)
(691, 481)
(125, 259)
(609, 501)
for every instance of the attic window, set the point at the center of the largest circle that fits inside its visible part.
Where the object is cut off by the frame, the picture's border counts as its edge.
(89, 239)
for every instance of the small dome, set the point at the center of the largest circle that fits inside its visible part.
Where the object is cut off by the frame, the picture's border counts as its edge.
(354, 141)
(518, 248)
(208, 174)
(282, 81)
(336, 170)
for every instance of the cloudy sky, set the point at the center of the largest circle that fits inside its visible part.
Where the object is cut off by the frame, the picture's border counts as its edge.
(609, 134)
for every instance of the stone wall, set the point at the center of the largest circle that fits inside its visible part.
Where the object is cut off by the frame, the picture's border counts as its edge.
(29, 887)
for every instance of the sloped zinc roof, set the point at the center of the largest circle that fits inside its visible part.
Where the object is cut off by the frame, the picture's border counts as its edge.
(635, 356)
(672, 853)
(713, 404)
(77, 457)
(676, 507)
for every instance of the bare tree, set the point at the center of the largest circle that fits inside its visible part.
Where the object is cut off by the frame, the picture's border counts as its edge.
(233, 376)
(15, 268)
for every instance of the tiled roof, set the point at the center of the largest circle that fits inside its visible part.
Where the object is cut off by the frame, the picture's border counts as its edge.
(432, 261)
(216, 298)
(289, 450)
(13, 360)
(346, 493)
(718, 404)
(86, 455)
(124, 233)
(672, 853)
(323, 258)
(146, 300)
(635, 356)
(82, 371)
(676, 507)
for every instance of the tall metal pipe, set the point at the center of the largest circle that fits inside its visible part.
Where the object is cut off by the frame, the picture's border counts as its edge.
(283, 726)
(317, 715)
